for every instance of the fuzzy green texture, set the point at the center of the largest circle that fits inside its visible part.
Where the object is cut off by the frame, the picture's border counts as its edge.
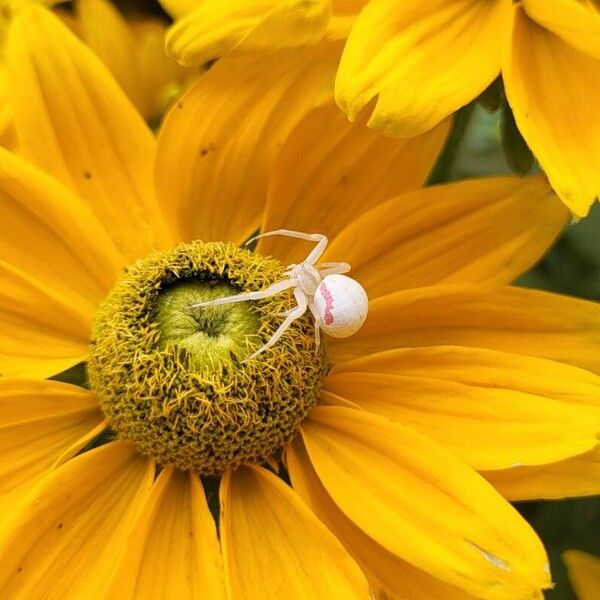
(172, 379)
(209, 334)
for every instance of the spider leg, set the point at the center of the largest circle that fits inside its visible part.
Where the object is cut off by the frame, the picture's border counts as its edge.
(294, 314)
(333, 268)
(313, 310)
(270, 291)
(315, 254)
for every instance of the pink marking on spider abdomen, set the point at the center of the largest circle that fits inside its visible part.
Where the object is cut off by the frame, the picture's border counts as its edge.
(328, 303)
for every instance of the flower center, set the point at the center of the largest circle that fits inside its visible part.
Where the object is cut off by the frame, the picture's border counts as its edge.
(177, 380)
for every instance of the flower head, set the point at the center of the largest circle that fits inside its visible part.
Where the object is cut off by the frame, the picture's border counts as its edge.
(342, 472)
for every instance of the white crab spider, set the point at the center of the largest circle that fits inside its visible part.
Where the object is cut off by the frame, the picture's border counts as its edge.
(338, 304)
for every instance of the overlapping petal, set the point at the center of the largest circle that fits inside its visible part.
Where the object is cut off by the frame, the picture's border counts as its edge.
(214, 28)
(490, 422)
(172, 551)
(275, 547)
(482, 231)
(548, 84)
(39, 420)
(452, 524)
(508, 319)
(444, 51)
(56, 262)
(74, 524)
(330, 171)
(117, 49)
(387, 573)
(576, 476)
(218, 144)
(75, 122)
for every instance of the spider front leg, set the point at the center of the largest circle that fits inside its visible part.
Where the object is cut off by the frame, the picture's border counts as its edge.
(333, 268)
(296, 313)
(315, 254)
(276, 288)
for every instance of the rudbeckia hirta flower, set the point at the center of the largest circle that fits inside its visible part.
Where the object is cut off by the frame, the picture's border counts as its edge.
(424, 60)
(584, 573)
(343, 470)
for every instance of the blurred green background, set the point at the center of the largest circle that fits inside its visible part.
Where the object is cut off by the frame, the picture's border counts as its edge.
(572, 267)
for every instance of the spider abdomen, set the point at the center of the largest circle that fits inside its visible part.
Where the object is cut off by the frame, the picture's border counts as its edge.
(341, 304)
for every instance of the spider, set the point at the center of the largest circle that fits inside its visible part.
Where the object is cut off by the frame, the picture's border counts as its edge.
(338, 304)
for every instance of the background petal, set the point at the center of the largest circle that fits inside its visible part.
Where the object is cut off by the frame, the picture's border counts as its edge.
(215, 28)
(446, 52)
(576, 476)
(331, 171)
(584, 573)
(274, 546)
(548, 84)
(217, 145)
(481, 231)
(75, 122)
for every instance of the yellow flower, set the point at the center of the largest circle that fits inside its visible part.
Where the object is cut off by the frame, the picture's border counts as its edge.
(424, 60)
(454, 371)
(584, 573)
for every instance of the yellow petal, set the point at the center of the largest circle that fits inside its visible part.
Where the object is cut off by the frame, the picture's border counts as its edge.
(584, 573)
(38, 421)
(219, 141)
(331, 171)
(172, 551)
(75, 122)
(178, 8)
(478, 367)
(69, 533)
(107, 33)
(577, 23)
(577, 476)
(215, 28)
(479, 231)
(444, 52)
(387, 573)
(423, 505)
(56, 263)
(548, 84)
(274, 546)
(162, 79)
(509, 319)
(487, 426)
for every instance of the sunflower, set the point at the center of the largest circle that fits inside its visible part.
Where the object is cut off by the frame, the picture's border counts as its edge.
(332, 472)
(424, 60)
(584, 573)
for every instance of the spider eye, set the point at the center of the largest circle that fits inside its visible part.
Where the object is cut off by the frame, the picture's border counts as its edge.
(341, 304)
